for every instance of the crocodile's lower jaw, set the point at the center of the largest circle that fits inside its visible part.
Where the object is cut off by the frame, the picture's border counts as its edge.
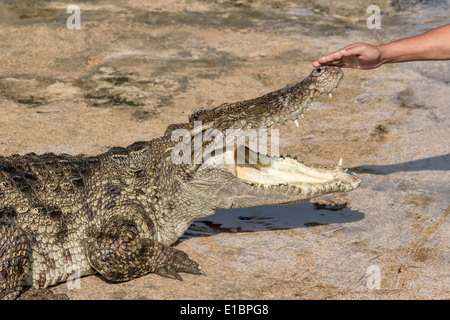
(289, 175)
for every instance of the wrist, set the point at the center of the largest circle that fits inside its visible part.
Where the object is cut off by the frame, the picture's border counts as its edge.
(384, 53)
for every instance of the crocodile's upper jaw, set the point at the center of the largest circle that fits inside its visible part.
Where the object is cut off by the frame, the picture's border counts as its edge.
(279, 106)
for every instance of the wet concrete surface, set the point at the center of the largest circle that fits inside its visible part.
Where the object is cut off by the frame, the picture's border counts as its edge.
(135, 67)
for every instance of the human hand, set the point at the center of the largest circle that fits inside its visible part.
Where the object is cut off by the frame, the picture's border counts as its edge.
(357, 56)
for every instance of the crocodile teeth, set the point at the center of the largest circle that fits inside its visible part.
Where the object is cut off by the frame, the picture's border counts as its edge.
(296, 122)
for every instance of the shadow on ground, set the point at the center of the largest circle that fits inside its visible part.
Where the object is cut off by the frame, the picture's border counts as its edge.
(264, 218)
(440, 163)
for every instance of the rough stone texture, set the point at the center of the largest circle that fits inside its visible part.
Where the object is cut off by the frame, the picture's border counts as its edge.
(134, 67)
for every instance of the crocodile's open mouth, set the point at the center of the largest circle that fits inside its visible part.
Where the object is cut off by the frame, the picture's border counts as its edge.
(289, 174)
(287, 179)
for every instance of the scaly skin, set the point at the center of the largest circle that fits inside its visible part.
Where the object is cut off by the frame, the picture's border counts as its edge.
(118, 213)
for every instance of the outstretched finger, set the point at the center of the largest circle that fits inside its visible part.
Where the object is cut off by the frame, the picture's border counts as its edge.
(329, 63)
(335, 56)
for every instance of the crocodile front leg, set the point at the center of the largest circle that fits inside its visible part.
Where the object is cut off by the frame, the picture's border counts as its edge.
(119, 254)
(15, 251)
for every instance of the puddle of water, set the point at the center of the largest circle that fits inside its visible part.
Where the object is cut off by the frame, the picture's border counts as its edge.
(264, 218)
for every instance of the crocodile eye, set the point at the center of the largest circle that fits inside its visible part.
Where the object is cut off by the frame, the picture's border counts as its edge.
(319, 70)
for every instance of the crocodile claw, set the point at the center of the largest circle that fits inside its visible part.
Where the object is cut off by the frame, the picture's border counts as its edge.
(178, 262)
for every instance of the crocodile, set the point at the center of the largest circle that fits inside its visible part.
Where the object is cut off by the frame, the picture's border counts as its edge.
(118, 213)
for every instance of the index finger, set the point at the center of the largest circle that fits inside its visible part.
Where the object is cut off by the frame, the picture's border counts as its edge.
(331, 58)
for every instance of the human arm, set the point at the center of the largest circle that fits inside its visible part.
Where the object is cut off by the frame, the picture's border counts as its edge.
(432, 45)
